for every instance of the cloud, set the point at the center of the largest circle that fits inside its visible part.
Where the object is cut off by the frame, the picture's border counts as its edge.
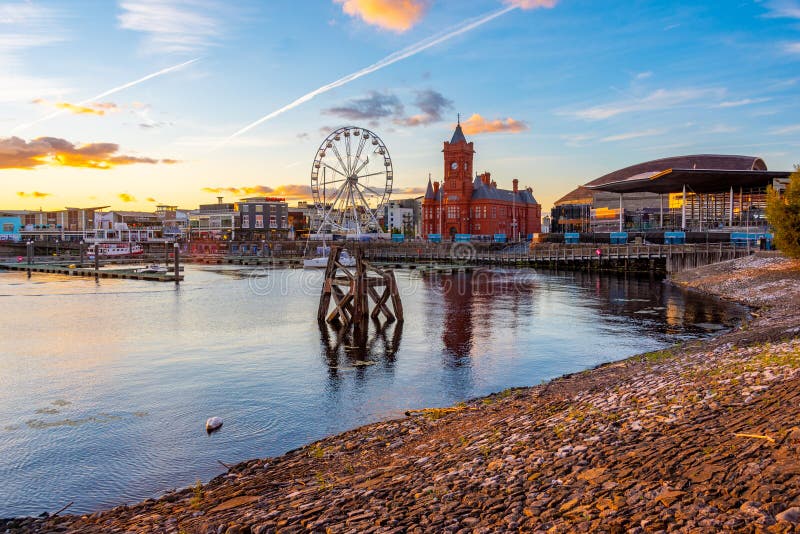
(33, 194)
(391, 59)
(302, 136)
(16, 153)
(532, 4)
(25, 25)
(395, 15)
(110, 92)
(786, 130)
(173, 26)
(792, 48)
(168, 161)
(96, 108)
(643, 75)
(785, 9)
(150, 199)
(631, 135)
(742, 102)
(478, 125)
(409, 191)
(374, 106)
(125, 197)
(659, 99)
(432, 104)
(289, 191)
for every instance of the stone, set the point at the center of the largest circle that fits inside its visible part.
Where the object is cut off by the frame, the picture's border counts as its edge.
(790, 515)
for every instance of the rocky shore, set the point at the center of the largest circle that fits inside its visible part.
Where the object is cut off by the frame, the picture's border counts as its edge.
(702, 437)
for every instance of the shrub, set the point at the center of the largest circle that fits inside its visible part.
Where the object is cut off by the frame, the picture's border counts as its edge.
(783, 214)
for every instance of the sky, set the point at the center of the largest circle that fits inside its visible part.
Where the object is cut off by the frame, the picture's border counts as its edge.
(134, 103)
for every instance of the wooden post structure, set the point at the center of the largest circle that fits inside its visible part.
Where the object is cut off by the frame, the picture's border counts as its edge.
(96, 262)
(351, 292)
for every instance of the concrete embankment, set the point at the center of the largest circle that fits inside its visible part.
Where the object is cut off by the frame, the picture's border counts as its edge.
(701, 437)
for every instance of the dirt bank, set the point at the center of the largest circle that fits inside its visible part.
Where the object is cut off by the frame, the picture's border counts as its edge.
(700, 437)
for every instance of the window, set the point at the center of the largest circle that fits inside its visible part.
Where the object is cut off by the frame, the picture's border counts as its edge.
(452, 212)
(273, 222)
(283, 221)
(245, 221)
(484, 212)
(494, 212)
(8, 227)
(259, 208)
(259, 221)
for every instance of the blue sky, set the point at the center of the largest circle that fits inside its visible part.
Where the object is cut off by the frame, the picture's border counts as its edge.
(555, 94)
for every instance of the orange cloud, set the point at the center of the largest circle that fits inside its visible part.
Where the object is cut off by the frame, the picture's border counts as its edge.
(289, 191)
(16, 153)
(97, 108)
(34, 194)
(395, 15)
(532, 4)
(477, 125)
(150, 199)
(125, 197)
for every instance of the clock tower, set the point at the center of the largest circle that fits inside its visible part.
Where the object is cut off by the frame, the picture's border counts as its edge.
(458, 171)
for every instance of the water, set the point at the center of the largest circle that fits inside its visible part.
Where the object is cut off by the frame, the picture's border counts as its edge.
(105, 387)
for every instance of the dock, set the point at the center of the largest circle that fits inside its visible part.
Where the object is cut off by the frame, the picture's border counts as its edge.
(90, 272)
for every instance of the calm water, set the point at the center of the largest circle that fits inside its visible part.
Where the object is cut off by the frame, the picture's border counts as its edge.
(105, 388)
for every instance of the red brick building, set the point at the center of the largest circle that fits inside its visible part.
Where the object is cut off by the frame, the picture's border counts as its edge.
(467, 205)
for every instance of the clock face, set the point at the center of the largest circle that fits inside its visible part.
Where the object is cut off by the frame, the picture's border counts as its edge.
(454, 165)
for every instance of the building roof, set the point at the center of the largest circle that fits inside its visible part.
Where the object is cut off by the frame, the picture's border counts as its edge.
(699, 161)
(458, 135)
(482, 191)
(429, 190)
(696, 180)
(581, 195)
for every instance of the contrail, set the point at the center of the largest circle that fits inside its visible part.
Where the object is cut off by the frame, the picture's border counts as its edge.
(385, 62)
(109, 92)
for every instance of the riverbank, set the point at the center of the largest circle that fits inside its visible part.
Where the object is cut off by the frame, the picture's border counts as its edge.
(702, 435)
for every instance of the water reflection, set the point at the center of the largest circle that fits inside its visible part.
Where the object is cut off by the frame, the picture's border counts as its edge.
(345, 350)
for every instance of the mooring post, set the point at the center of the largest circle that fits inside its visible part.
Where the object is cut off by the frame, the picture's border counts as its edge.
(166, 254)
(177, 263)
(96, 262)
(81, 254)
(29, 251)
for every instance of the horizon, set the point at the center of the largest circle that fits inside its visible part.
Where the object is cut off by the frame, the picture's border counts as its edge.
(137, 103)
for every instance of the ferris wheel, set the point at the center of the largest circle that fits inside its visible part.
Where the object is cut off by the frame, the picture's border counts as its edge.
(351, 179)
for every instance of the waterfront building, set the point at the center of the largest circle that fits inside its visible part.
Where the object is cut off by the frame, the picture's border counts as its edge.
(398, 215)
(127, 226)
(263, 218)
(174, 222)
(10, 227)
(476, 206)
(214, 222)
(724, 193)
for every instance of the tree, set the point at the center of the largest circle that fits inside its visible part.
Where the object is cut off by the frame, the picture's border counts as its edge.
(783, 214)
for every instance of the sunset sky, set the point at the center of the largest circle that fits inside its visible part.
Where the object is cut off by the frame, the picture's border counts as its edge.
(130, 103)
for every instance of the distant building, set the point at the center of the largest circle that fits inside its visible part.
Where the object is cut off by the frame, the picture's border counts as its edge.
(10, 227)
(214, 222)
(398, 216)
(174, 222)
(263, 218)
(693, 193)
(463, 205)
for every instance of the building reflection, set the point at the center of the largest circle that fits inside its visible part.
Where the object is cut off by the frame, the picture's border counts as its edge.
(470, 302)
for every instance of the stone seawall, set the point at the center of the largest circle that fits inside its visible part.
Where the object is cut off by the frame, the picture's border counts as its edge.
(701, 437)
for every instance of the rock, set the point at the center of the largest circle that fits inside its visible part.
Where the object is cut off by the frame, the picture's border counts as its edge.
(790, 515)
(213, 424)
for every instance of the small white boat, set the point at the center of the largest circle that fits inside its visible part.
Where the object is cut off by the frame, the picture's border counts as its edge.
(153, 269)
(322, 261)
